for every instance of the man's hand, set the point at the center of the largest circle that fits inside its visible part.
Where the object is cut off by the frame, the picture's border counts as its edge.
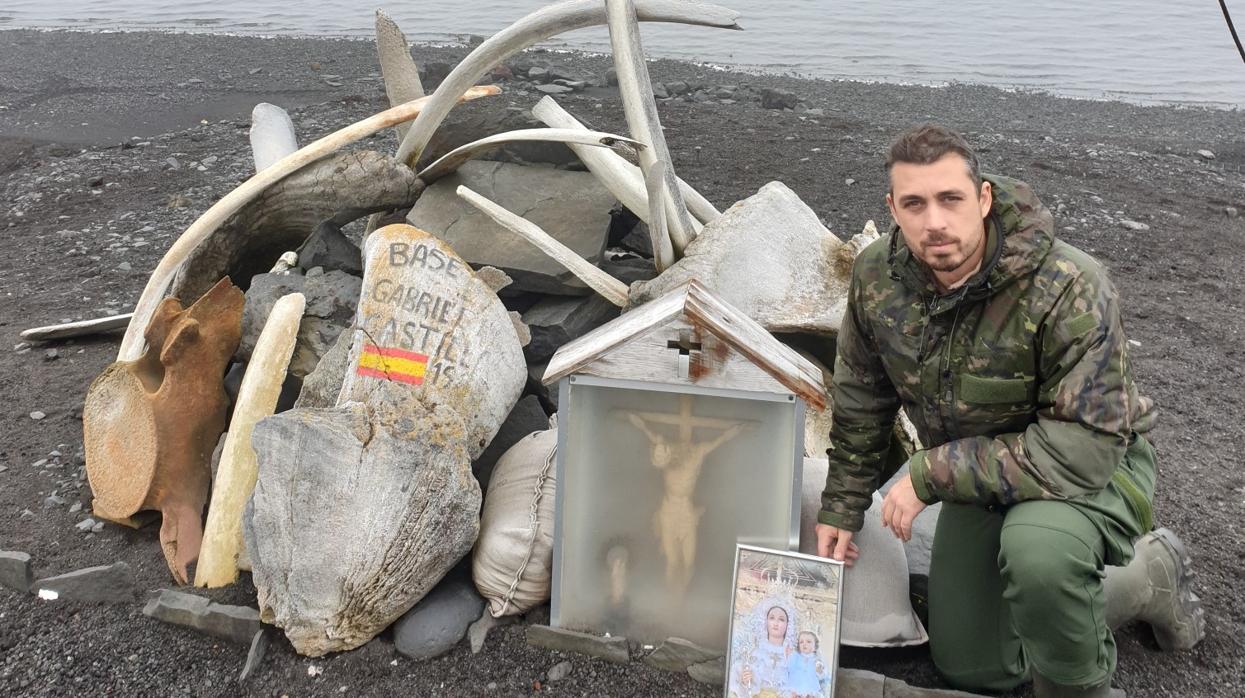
(836, 543)
(900, 508)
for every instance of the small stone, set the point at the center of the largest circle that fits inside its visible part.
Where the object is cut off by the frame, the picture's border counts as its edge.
(75, 507)
(778, 99)
(85, 525)
(125, 266)
(1206, 154)
(660, 92)
(51, 355)
(1231, 211)
(259, 646)
(611, 649)
(439, 621)
(104, 584)
(537, 73)
(849, 181)
(1134, 225)
(553, 89)
(15, 570)
(53, 500)
(256, 71)
(98, 527)
(558, 671)
(714, 672)
(37, 415)
(21, 346)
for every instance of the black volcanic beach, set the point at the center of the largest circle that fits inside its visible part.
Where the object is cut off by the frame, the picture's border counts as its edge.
(112, 144)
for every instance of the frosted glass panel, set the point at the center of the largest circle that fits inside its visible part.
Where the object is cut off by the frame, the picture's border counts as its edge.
(656, 490)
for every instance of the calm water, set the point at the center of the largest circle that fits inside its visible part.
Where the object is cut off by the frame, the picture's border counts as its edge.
(1157, 51)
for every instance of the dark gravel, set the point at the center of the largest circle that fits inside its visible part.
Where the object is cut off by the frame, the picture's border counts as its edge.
(86, 211)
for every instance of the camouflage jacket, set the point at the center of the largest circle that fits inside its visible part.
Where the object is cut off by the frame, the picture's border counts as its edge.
(1018, 382)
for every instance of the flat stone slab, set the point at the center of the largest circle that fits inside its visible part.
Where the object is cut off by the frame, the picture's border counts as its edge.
(104, 584)
(573, 207)
(556, 321)
(611, 649)
(677, 654)
(254, 656)
(235, 623)
(15, 570)
(711, 672)
(894, 688)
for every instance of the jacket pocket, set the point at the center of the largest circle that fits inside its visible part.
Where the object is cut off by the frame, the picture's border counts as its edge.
(993, 391)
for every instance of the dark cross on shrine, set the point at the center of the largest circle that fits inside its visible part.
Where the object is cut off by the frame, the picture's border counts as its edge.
(685, 346)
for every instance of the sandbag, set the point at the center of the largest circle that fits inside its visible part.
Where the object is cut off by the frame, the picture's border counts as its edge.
(512, 565)
(877, 611)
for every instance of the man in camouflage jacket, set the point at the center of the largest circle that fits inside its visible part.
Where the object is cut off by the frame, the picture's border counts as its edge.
(1005, 347)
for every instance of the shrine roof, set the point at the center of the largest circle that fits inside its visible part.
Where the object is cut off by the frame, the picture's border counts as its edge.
(700, 307)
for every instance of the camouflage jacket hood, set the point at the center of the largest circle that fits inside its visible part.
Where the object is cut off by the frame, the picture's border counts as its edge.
(1017, 382)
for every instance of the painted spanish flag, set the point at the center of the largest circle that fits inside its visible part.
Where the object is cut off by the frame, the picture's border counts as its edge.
(392, 364)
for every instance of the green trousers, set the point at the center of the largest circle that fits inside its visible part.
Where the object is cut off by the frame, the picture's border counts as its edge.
(1019, 589)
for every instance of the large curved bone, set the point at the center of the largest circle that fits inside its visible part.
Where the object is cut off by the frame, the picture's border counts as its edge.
(538, 26)
(624, 180)
(153, 292)
(81, 328)
(452, 160)
(610, 288)
(235, 478)
(397, 68)
(636, 89)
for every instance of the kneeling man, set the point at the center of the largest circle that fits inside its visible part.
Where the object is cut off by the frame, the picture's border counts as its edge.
(1004, 345)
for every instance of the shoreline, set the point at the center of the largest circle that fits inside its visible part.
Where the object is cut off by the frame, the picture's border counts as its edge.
(89, 210)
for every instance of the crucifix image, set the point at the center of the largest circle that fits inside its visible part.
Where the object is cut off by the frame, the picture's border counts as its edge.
(680, 459)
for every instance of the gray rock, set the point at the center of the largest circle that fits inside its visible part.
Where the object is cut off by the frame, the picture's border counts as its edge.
(558, 671)
(575, 85)
(638, 240)
(712, 672)
(255, 656)
(611, 77)
(553, 89)
(1134, 225)
(331, 301)
(573, 207)
(778, 99)
(660, 91)
(556, 321)
(858, 683)
(272, 135)
(526, 417)
(630, 269)
(322, 386)
(466, 126)
(1206, 154)
(16, 572)
(328, 248)
(104, 584)
(234, 623)
(725, 91)
(548, 394)
(440, 620)
(1231, 211)
(354, 519)
(771, 258)
(678, 87)
(537, 73)
(677, 654)
(611, 649)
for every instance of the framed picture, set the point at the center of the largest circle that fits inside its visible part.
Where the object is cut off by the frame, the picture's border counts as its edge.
(784, 631)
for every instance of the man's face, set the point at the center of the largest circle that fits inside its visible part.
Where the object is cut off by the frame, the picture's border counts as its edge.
(940, 212)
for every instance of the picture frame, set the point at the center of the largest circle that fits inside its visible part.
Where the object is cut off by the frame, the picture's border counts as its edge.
(784, 625)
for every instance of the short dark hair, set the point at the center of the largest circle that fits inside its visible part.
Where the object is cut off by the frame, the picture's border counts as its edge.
(928, 143)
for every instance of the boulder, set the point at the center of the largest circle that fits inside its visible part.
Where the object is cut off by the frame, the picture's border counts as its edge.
(629, 270)
(556, 321)
(573, 207)
(322, 385)
(104, 584)
(526, 417)
(234, 623)
(328, 248)
(770, 257)
(440, 620)
(331, 301)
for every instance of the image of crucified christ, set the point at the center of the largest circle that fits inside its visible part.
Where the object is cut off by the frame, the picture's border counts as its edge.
(680, 459)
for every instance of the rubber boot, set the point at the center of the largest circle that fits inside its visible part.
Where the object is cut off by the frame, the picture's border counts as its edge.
(1045, 688)
(1157, 587)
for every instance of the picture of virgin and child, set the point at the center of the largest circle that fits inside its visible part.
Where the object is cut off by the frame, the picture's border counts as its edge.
(777, 659)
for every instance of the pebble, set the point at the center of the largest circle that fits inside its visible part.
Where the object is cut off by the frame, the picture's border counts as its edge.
(559, 671)
(21, 347)
(1206, 154)
(51, 355)
(1134, 225)
(86, 524)
(849, 181)
(75, 507)
(37, 415)
(53, 500)
(1231, 211)
(3, 468)
(125, 266)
